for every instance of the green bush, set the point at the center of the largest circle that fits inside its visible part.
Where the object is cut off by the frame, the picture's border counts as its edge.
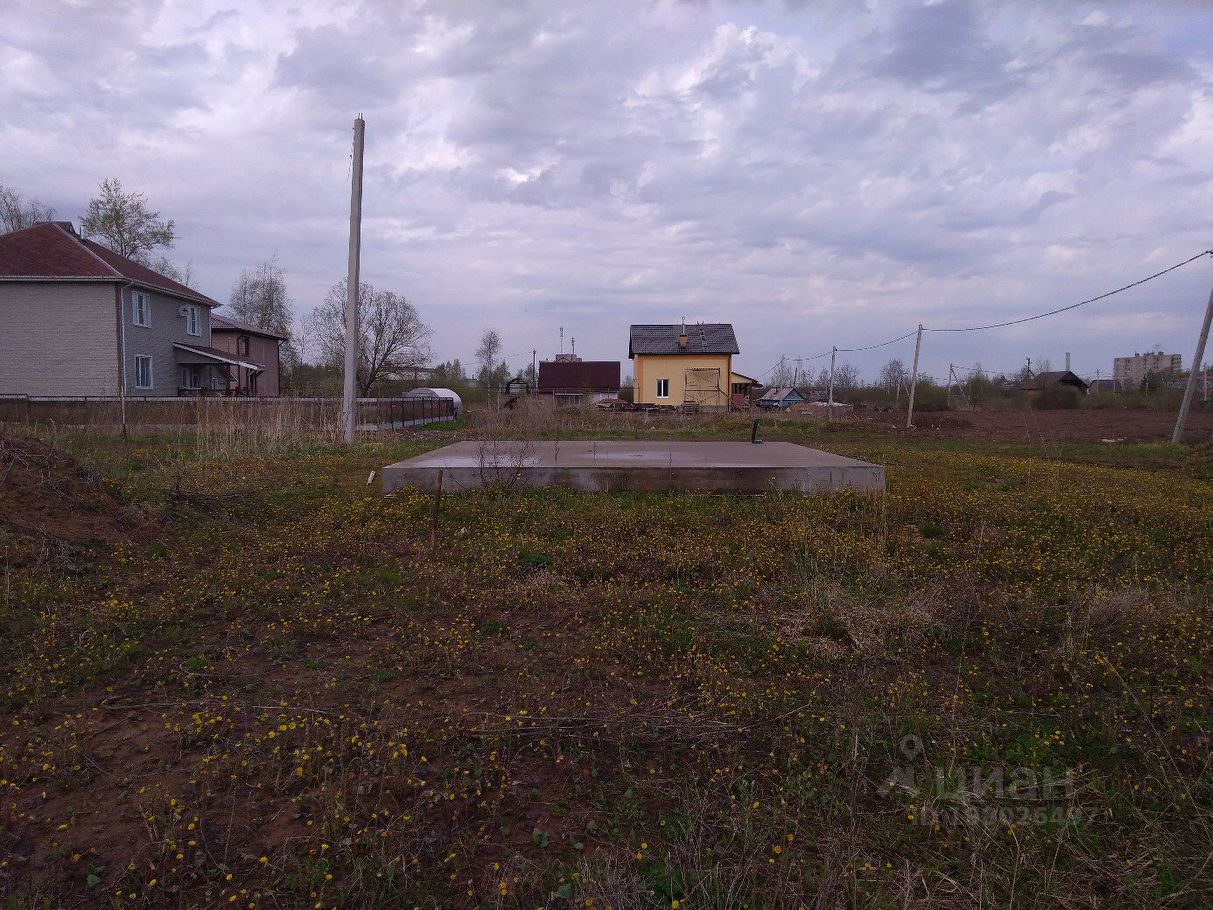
(1056, 397)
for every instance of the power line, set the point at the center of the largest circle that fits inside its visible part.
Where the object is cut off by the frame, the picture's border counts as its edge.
(1010, 322)
(1072, 306)
(872, 347)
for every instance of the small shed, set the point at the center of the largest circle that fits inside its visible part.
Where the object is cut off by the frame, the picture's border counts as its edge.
(519, 385)
(780, 399)
(1042, 381)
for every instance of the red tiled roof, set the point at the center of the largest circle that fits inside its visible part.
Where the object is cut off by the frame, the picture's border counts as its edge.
(594, 375)
(222, 323)
(51, 250)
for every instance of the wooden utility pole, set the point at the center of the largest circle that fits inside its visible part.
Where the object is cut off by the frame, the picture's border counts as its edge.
(914, 379)
(349, 404)
(1193, 371)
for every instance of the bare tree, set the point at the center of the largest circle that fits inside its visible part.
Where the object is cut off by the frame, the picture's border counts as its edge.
(489, 351)
(17, 213)
(182, 274)
(846, 377)
(124, 223)
(893, 375)
(784, 374)
(493, 372)
(392, 337)
(259, 297)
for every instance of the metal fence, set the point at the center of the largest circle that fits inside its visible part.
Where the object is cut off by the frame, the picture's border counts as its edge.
(301, 414)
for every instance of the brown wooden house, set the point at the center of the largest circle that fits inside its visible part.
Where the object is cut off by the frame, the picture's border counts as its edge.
(249, 343)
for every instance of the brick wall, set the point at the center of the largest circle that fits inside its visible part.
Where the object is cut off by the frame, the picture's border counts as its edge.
(58, 338)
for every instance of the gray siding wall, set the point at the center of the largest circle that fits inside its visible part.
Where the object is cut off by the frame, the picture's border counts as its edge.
(167, 326)
(58, 338)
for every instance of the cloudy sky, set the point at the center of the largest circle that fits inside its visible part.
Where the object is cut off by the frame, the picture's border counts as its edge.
(815, 173)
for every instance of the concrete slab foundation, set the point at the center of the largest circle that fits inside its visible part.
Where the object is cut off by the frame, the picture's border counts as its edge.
(601, 465)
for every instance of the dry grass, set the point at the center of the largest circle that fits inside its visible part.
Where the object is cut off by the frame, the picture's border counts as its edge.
(624, 699)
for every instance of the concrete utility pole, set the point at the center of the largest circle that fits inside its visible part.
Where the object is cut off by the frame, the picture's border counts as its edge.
(1195, 369)
(349, 403)
(833, 354)
(914, 379)
(951, 373)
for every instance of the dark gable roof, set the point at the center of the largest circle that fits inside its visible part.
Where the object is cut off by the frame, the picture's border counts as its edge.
(1054, 377)
(223, 324)
(702, 338)
(777, 394)
(577, 376)
(51, 250)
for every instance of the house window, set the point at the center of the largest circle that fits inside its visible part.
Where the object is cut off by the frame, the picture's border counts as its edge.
(141, 310)
(191, 321)
(242, 345)
(143, 371)
(191, 376)
(663, 388)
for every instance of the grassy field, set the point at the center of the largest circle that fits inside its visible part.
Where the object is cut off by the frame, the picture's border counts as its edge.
(239, 677)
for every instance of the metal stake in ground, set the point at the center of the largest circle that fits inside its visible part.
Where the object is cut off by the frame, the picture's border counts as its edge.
(349, 405)
(914, 379)
(434, 517)
(1177, 436)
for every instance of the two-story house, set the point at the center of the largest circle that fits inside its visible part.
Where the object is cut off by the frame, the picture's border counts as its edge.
(250, 344)
(77, 319)
(683, 365)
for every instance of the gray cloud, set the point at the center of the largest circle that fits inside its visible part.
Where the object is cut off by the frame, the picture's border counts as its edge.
(817, 174)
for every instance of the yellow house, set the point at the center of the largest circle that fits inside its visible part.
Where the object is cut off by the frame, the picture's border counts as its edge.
(683, 364)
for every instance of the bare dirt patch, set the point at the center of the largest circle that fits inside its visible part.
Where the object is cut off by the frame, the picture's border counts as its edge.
(47, 494)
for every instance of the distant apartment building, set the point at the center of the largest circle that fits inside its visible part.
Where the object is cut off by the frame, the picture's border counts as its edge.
(1129, 372)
